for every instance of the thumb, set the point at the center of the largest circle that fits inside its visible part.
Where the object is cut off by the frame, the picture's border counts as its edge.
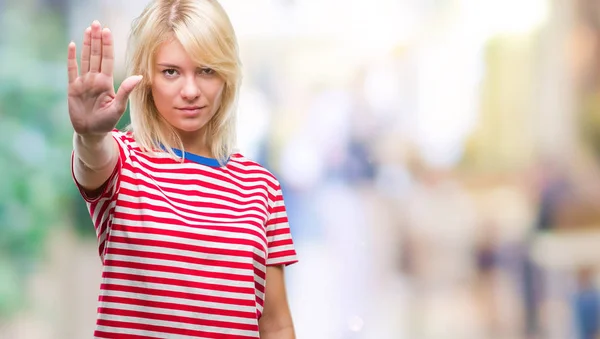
(127, 86)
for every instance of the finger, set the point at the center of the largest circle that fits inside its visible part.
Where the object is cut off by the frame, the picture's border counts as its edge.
(127, 86)
(108, 56)
(96, 48)
(72, 62)
(85, 53)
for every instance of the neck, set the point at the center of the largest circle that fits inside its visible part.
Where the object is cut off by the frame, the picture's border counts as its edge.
(194, 142)
(197, 143)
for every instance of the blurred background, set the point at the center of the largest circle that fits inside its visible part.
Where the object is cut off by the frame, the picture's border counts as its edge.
(439, 161)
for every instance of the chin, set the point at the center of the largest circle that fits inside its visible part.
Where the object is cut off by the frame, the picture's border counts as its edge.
(189, 126)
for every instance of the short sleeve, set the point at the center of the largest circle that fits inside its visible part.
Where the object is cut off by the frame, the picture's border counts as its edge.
(101, 207)
(280, 245)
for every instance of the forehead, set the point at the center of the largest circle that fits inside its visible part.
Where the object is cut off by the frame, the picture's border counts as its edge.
(172, 52)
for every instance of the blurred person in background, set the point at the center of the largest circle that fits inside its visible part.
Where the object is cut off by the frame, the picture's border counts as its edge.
(193, 236)
(586, 305)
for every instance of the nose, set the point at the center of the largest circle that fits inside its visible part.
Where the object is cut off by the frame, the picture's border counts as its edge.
(190, 90)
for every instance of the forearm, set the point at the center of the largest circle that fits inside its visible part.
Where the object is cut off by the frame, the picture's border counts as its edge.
(94, 159)
(286, 332)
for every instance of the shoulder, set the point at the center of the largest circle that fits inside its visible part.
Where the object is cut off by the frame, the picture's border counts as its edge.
(123, 135)
(125, 139)
(252, 170)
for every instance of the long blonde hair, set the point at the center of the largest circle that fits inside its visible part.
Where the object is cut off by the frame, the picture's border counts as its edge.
(206, 33)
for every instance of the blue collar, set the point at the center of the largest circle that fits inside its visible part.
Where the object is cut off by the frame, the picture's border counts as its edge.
(211, 162)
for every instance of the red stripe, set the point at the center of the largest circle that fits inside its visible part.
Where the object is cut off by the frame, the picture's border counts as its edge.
(283, 229)
(278, 243)
(177, 245)
(180, 258)
(275, 221)
(178, 295)
(282, 254)
(207, 200)
(174, 306)
(177, 319)
(162, 209)
(188, 236)
(190, 174)
(102, 334)
(171, 330)
(249, 169)
(177, 282)
(201, 188)
(177, 270)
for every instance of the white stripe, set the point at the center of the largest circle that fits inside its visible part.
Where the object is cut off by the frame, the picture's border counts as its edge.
(198, 208)
(181, 240)
(194, 254)
(180, 301)
(242, 196)
(129, 144)
(259, 236)
(124, 143)
(223, 181)
(96, 217)
(178, 276)
(180, 313)
(263, 175)
(260, 294)
(128, 222)
(98, 206)
(181, 289)
(280, 237)
(197, 229)
(105, 216)
(119, 330)
(180, 264)
(280, 260)
(177, 325)
(280, 214)
(260, 280)
(171, 215)
(281, 248)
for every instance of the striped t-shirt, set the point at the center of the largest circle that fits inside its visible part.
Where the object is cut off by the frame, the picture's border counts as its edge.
(185, 246)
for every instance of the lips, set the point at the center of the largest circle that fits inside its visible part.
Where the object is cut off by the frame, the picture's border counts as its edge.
(191, 110)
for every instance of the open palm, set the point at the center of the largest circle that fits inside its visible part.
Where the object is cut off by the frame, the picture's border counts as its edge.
(94, 107)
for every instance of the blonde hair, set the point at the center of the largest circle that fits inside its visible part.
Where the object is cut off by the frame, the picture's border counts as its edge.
(204, 30)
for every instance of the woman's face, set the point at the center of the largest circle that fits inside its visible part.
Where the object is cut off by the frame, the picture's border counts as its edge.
(186, 95)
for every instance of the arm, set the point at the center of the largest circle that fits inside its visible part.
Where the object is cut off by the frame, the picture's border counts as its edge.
(276, 320)
(94, 160)
(95, 108)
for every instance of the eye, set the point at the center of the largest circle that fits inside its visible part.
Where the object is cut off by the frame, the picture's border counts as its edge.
(170, 72)
(207, 71)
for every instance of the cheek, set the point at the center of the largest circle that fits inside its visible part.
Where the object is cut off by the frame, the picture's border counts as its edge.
(161, 95)
(217, 93)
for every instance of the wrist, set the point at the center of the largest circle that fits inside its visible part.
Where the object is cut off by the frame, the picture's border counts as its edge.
(95, 151)
(90, 139)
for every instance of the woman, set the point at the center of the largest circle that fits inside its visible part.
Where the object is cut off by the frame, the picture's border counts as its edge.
(193, 237)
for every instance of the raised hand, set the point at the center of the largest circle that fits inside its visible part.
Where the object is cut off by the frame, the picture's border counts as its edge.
(94, 107)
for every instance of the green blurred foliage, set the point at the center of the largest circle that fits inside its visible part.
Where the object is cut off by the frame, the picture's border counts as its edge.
(37, 194)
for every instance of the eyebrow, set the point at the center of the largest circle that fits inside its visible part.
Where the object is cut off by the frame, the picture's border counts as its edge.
(168, 65)
(177, 67)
